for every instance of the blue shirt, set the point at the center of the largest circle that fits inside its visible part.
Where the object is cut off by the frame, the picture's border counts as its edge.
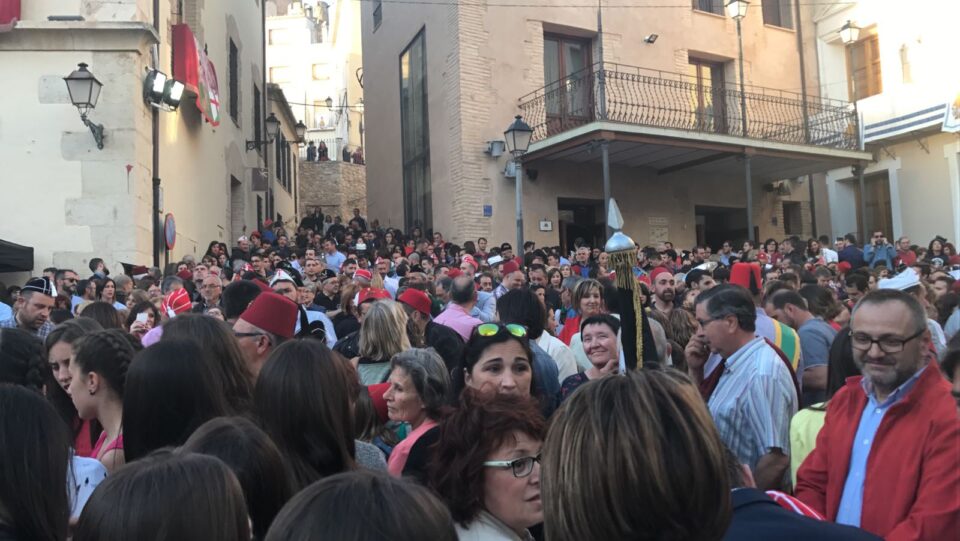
(334, 260)
(851, 502)
(5, 312)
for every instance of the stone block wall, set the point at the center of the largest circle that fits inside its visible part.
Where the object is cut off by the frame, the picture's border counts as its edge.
(336, 187)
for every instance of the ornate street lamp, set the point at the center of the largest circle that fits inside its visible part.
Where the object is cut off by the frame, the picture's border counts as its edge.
(737, 10)
(84, 91)
(518, 137)
(849, 33)
(273, 129)
(301, 130)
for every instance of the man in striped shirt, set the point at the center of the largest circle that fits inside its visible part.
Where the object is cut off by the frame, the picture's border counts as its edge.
(755, 396)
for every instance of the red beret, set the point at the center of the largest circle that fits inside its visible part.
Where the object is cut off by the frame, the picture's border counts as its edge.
(364, 274)
(746, 275)
(844, 267)
(272, 313)
(657, 272)
(509, 267)
(416, 299)
(372, 294)
(185, 275)
(379, 403)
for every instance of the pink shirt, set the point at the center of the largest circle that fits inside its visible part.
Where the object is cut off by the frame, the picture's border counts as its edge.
(455, 317)
(400, 453)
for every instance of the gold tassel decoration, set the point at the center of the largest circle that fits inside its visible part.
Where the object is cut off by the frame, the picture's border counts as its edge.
(622, 262)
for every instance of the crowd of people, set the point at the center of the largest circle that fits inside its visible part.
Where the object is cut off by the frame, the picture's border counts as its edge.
(367, 383)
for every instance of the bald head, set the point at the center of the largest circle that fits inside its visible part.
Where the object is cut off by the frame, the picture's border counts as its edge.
(462, 290)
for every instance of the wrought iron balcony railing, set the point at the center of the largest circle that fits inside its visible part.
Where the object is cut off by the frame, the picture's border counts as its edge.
(661, 99)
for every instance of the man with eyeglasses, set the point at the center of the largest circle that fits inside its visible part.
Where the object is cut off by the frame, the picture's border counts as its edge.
(265, 324)
(755, 396)
(210, 290)
(886, 459)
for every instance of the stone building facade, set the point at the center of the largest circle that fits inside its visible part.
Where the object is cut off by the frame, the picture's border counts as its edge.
(335, 187)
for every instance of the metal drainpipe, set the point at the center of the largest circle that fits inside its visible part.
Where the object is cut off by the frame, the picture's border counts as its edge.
(155, 137)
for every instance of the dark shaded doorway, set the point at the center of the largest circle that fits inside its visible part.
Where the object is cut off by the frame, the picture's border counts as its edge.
(718, 224)
(580, 219)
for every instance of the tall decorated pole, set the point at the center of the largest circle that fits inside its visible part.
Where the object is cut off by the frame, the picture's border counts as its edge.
(635, 327)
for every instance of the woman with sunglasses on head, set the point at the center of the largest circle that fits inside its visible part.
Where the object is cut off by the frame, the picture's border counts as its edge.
(496, 360)
(487, 467)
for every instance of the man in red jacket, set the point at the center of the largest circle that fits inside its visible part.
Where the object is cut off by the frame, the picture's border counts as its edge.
(888, 457)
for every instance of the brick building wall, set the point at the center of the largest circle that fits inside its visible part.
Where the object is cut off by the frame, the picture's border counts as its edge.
(336, 187)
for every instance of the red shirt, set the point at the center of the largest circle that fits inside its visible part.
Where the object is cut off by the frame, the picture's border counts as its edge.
(912, 487)
(570, 328)
(908, 258)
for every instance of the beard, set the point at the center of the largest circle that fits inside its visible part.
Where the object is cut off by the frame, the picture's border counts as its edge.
(667, 295)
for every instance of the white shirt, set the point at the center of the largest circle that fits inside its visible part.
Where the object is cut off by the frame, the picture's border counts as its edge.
(487, 527)
(84, 475)
(566, 363)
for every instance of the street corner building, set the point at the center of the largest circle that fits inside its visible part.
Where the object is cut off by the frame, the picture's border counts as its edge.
(182, 142)
(713, 125)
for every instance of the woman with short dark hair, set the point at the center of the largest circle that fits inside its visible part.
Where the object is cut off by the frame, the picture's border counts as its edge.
(303, 400)
(33, 466)
(486, 466)
(602, 348)
(167, 497)
(170, 391)
(254, 459)
(497, 359)
(363, 506)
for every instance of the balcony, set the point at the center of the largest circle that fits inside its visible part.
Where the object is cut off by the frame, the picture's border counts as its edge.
(689, 124)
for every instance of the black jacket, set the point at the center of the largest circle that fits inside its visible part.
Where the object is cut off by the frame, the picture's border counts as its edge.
(756, 517)
(447, 342)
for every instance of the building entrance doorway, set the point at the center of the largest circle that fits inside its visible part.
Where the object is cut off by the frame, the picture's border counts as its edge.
(580, 219)
(718, 224)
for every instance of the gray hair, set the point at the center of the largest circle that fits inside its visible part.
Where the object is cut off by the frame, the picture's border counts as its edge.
(122, 280)
(429, 376)
(730, 300)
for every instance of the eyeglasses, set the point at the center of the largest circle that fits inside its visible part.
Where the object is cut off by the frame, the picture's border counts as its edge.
(705, 322)
(248, 334)
(492, 329)
(521, 467)
(888, 344)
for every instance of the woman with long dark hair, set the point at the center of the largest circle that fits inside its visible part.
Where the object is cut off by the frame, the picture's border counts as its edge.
(107, 292)
(169, 392)
(167, 497)
(98, 374)
(222, 353)
(254, 459)
(303, 401)
(59, 349)
(34, 504)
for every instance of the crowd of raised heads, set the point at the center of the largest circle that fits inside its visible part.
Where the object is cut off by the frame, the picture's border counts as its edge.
(353, 382)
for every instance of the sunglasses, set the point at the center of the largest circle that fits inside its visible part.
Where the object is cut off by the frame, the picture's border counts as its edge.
(492, 329)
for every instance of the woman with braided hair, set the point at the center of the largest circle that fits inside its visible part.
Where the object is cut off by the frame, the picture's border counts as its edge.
(98, 375)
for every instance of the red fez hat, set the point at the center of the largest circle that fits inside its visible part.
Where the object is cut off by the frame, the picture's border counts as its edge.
(509, 267)
(416, 299)
(372, 294)
(264, 287)
(746, 275)
(273, 313)
(177, 302)
(469, 260)
(185, 275)
(844, 267)
(453, 273)
(379, 403)
(363, 273)
(657, 272)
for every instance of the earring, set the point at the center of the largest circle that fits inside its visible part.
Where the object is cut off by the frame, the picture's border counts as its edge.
(92, 392)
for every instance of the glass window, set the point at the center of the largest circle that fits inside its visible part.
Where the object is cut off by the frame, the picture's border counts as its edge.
(320, 72)
(710, 6)
(707, 95)
(778, 13)
(568, 75)
(234, 81)
(415, 144)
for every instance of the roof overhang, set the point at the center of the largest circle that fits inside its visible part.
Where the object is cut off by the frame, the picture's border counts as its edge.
(666, 151)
